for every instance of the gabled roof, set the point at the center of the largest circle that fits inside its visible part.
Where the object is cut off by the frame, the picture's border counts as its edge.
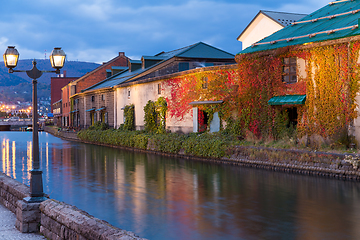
(336, 20)
(198, 51)
(282, 18)
(203, 50)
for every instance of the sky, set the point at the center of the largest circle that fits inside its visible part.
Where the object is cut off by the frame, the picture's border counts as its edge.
(97, 30)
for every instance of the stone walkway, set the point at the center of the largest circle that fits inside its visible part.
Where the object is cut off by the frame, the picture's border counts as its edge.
(8, 230)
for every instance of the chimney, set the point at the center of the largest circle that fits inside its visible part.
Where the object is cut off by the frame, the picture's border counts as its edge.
(64, 73)
(121, 54)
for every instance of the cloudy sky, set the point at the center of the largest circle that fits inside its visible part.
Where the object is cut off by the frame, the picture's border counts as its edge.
(96, 30)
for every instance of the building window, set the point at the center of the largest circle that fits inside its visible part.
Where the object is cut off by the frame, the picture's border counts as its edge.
(159, 88)
(92, 98)
(128, 93)
(183, 66)
(103, 97)
(289, 70)
(205, 83)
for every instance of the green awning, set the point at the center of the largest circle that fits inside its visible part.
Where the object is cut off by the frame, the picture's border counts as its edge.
(288, 99)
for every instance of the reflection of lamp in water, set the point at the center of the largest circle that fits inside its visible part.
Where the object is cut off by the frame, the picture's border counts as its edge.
(57, 59)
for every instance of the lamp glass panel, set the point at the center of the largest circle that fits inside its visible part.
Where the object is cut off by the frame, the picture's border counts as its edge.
(11, 60)
(58, 61)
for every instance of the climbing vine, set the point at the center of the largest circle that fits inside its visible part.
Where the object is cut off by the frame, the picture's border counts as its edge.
(155, 115)
(129, 114)
(161, 109)
(221, 85)
(329, 77)
(150, 117)
(331, 86)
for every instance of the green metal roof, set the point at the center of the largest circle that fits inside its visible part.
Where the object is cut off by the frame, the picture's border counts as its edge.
(336, 20)
(198, 50)
(154, 57)
(288, 99)
(203, 50)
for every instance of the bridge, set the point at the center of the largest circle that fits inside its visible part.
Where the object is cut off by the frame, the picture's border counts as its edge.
(6, 124)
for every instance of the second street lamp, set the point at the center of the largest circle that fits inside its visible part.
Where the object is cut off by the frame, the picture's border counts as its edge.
(57, 59)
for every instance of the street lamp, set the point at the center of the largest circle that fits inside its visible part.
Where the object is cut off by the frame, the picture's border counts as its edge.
(57, 59)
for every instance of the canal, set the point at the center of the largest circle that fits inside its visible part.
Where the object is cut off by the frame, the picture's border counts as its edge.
(168, 198)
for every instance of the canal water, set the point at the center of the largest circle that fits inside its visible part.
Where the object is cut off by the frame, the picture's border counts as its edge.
(168, 198)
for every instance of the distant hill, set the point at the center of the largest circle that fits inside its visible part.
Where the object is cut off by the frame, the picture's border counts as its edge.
(72, 68)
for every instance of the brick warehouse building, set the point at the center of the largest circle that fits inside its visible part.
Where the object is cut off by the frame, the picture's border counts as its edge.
(57, 83)
(99, 74)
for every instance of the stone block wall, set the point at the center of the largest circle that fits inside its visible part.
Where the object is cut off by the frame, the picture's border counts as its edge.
(12, 191)
(57, 220)
(27, 217)
(63, 221)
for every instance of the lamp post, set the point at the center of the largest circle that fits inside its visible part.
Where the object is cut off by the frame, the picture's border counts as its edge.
(57, 59)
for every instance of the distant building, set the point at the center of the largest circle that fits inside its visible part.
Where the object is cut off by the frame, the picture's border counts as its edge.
(266, 23)
(98, 74)
(57, 113)
(56, 84)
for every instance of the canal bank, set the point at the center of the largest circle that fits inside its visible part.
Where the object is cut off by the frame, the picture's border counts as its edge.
(295, 161)
(53, 219)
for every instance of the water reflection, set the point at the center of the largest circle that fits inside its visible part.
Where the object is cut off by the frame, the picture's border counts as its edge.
(166, 198)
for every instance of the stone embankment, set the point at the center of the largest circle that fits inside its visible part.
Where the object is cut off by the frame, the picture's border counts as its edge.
(297, 161)
(63, 221)
(55, 220)
(68, 135)
(284, 160)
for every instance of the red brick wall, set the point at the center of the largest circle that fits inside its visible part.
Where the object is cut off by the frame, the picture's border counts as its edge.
(56, 84)
(99, 74)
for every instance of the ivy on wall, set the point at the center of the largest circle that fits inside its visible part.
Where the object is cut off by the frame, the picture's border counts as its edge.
(161, 109)
(129, 114)
(155, 115)
(330, 85)
(221, 85)
(150, 117)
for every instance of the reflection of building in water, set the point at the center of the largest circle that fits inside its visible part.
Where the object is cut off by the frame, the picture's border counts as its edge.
(120, 182)
(182, 198)
(139, 196)
(319, 213)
